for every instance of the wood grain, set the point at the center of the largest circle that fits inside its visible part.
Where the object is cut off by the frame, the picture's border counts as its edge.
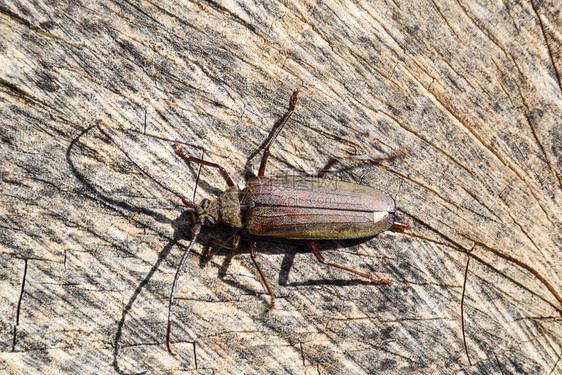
(89, 246)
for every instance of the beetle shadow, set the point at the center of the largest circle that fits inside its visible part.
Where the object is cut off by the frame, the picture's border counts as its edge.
(90, 188)
(179, 226)
(180, 234)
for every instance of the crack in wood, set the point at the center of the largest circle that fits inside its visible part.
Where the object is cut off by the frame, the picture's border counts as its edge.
(14, 337)
(462, 310)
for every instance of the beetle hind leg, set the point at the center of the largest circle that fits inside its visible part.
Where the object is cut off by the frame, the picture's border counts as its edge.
(181, 152)
(345, 268)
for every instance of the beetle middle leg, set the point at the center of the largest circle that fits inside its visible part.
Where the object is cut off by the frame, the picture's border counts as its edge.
(348, 269)
(215, 241)
(253, 254)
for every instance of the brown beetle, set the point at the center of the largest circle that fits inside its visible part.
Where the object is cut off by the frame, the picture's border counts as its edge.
(287, 207)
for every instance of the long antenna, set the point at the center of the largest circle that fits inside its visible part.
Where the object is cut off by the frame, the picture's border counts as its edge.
(194, 233)
(183, 198)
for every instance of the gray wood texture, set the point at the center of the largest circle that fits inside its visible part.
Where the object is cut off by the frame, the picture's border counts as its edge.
(89, 246)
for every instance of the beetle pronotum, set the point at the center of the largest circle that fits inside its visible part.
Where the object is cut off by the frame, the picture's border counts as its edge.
(287, 207)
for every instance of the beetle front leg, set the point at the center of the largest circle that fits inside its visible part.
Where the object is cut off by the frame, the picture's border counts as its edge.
(371, 158)
(223, 172)
(359, 273)
(253, 255)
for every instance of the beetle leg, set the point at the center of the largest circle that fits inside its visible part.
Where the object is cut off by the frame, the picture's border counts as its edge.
(221, 243)
(371, 158)
(274, 137)
(362, 274)
(180, 151)
(253, 255)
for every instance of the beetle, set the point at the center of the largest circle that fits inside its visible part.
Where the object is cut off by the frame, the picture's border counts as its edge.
(302, 208)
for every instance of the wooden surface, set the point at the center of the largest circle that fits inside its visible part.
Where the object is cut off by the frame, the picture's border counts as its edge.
(89, 246)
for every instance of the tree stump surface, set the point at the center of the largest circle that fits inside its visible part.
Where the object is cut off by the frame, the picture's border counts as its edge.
(90, 246)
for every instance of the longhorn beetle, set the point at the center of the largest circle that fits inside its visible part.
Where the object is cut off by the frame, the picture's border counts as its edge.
(287, 207)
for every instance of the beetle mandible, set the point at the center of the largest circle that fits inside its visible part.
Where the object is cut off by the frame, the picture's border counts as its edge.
(307, 208)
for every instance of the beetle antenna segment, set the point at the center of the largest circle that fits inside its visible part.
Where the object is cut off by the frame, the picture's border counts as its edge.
(195, 232)
(197, 179)
(183, 198)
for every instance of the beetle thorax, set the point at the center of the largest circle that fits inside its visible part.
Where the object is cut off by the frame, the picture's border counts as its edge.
(228, 204)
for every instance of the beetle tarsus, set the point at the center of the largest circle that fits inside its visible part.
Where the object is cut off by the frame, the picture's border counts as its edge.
(380, 281)
(183, 198)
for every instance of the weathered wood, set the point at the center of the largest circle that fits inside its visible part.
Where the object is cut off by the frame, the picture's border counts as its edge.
(473, 89)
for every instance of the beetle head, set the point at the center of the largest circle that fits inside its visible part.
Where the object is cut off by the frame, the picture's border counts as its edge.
(206, 213)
